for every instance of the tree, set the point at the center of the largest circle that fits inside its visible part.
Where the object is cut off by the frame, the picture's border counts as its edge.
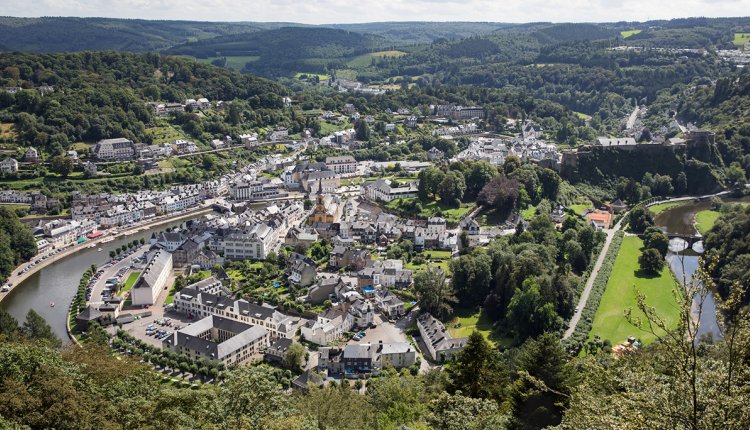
(252, 408)
(294, 356)
(543, 384)
(653, 237)
(362, 130)
(434, 293)
(529, 314)
(476, 371)
(8, 325)
(479, 175)
(452, 188)
(61, 165)
(640, 219)
(429, 182)
(472, 277)
(36, 328)
(501, 193)
(651, 261)
(459, 412)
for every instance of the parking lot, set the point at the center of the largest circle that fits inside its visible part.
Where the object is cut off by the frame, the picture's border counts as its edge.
(384, 331)
(152, 328)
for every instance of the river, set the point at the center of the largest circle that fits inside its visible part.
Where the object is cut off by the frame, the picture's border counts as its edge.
(58, 283)
(684, 261)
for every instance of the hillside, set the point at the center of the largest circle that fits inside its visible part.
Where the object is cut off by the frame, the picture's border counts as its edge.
(103, 94)
(423, 32)
(287, 50)
(62, 34)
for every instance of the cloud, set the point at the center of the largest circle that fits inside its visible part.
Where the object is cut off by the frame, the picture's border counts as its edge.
(345, 11)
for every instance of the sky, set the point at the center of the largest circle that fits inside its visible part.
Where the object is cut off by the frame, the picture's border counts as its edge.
(348, 11)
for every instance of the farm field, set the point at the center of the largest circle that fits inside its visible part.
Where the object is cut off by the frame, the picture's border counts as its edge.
(740, 39)
(620, 294)
(627, 33)
(365, 60)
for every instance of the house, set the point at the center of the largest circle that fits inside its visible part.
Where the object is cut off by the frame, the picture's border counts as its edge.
(324, 289)
(301, 270)
(349, 109)
(253, 243)
(90, 168)
(250, 140)
(440, 345)
(363, 313)
(153, 278)
(618, 206)
(342, 165)
(119, 149)
(389, 303)
(277, 350)
(599, 219)
(86, 317)
(390, 127)
(297, 237)
(328, 327)
(411, 122)
(216, 338)
(31, 155)
(396, 354)
(280, 133)
(9, 166)
(168, 240)
(343, 257)
(382, 190)
(186, 253)
(435, 154)
(472, 227)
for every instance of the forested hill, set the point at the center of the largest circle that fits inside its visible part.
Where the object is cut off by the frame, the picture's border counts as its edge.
(274, 52)
(424, 32)
(103, 94)
(63, 34)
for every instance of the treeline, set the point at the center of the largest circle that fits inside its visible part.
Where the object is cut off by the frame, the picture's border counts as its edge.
(17, 243)
(727, 247)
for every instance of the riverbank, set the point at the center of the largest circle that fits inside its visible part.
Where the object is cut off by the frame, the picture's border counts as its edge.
(17, 279)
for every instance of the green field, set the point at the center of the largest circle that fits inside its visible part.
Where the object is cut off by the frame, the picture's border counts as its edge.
(365, 60)
(627, 33)
(322, 77)
(439, 259)
(528, 213)
(164, 133)
(490, 218)
(740, 39)
(7, 131)
(579, 208)
(132, 278)
(436, 208)
(583, 116)
(661, 207)
(610, 322)
(706, 219)
(467, 320)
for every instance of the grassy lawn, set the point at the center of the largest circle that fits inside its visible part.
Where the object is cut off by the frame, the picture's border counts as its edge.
(610, 322)
(583, 116)
(164, 133)
(435, 208)
(327, 128)
(657, 209)
(365, 60)
(132, 278)
(704, 220)
(579, 208)
(627, 33)
(465, 321)
(528, 213)
(740, 39)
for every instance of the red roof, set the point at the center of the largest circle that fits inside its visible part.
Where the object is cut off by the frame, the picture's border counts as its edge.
(95, 234)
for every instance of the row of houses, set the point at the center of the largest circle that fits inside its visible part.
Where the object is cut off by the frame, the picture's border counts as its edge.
(366, 359)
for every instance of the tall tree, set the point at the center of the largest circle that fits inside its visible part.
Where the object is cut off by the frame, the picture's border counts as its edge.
(435, 294)
(476, 371)
(36, 328)
(543, 384)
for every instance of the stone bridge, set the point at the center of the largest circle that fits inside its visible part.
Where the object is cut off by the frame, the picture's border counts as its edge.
(691, 239)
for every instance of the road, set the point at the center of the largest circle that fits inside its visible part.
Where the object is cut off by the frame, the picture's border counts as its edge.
(590, 282)
(632, 118)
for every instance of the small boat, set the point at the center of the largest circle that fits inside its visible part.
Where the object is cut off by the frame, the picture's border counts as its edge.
(52, 304)
(99, 250)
